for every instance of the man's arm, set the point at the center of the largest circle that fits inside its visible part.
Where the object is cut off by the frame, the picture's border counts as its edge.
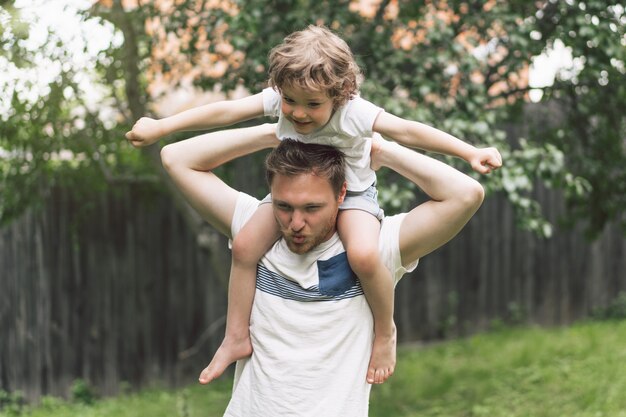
(418, 135)
(190, 162)
(455, 198)
(146, 130)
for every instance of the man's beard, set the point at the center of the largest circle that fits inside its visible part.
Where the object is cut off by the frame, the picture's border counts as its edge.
(311, 244)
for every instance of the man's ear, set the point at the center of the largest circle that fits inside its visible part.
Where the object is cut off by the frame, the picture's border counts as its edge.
(342, 192)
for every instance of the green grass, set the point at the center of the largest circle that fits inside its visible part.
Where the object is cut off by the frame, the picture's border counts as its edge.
(195, 400)
(577, 371)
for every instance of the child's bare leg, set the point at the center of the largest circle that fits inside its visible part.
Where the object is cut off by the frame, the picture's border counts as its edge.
(250, 244)
(359, 232)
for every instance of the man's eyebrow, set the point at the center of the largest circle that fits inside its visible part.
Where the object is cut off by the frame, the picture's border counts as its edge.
(307, 204)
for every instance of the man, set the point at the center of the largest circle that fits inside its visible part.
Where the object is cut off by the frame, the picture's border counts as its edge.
(311, 327)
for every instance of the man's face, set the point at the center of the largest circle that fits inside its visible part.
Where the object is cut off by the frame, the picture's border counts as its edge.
(306, 209)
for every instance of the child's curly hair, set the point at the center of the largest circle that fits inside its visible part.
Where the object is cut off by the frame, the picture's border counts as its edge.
(315, 59)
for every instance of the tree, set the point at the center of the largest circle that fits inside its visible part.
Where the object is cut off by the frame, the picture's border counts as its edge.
(50, 135)
(461, 66)
(591, 98)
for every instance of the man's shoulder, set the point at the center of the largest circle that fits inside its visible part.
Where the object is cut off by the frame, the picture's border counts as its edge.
(389, 246)
(390, 228)
(245, 207)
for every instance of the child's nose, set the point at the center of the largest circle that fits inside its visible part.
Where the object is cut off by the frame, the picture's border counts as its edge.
(299, 113)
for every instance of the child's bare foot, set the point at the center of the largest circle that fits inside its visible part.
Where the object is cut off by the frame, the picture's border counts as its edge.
(229, 351)
(383, 359)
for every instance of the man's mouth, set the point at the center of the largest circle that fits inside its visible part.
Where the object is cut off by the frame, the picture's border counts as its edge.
(298, 239)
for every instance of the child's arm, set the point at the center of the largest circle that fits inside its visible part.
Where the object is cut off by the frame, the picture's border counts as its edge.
(146, 131)
(418, 135)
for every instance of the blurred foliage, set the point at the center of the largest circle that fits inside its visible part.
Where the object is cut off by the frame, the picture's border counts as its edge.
(461, 66)
(82, 392)
(616, 310)
(51, 136)
(12, 403)
(592, 133)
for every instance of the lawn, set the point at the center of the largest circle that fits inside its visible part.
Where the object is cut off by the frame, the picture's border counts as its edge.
(574, 371)
(525, 372)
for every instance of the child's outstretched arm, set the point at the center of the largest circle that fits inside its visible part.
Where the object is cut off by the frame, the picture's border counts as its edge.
(146, 130)
(418, 135)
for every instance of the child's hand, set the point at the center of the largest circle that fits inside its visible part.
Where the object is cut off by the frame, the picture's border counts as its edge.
(484, 160)
(145, 132)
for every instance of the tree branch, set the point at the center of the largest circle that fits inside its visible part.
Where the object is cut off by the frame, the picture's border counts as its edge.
(206, 237)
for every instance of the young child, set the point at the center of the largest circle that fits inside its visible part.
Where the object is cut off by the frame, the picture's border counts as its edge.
(313, 80)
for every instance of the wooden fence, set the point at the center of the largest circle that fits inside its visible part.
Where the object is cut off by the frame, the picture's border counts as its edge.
(494, 273)
(117, 292)
(112, 296)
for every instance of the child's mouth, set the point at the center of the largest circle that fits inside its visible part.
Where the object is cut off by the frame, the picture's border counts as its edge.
(301, 124)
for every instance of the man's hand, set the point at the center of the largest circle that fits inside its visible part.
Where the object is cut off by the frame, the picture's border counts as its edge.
(145, 132)
(485, 160)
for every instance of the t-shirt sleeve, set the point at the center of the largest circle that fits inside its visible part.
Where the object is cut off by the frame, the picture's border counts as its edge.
(390, 247)
(245, 207)
(359, 117)
(271, 102)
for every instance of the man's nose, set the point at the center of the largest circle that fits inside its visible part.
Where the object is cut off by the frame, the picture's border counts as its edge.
(297, 221)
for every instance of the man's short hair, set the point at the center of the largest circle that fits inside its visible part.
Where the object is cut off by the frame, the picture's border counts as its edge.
(292, 158)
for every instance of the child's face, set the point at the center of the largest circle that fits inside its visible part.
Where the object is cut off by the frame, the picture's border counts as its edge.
(307, 110)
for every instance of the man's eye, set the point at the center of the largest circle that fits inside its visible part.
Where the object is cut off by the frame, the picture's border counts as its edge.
(312, 208)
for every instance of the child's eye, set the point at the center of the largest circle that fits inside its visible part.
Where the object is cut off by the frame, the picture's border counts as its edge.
(287, 100)
(314, 105)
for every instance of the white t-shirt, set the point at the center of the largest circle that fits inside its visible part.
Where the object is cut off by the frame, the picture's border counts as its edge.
(349, 129)
(311, 329)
